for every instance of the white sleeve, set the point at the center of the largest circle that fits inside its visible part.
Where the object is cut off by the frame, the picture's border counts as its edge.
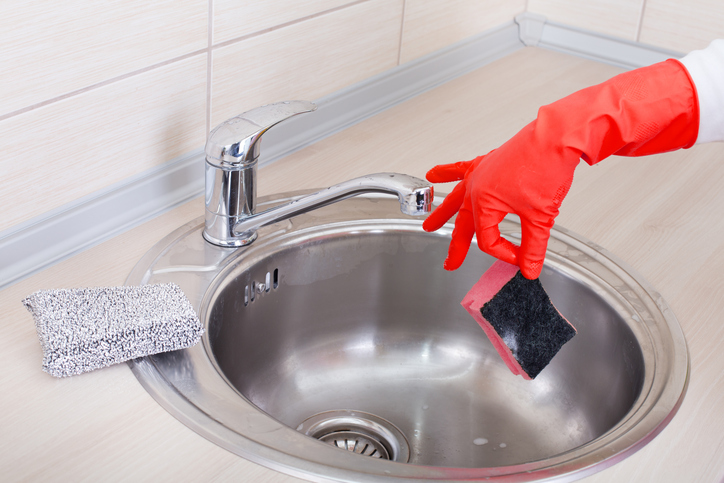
(706, 68)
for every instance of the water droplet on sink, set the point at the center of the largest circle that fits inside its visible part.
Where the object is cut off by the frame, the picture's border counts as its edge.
(480, 441)
(425, 406)
(503, 445)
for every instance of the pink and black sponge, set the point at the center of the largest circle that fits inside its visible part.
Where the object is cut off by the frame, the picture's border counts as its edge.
(519, 319)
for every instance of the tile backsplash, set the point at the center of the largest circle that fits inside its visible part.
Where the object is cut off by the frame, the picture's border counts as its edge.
(682, 25)
(619, 18)
(94, 93)
(678, 25)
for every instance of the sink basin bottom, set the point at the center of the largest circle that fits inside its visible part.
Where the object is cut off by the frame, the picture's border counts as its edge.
(372, 323)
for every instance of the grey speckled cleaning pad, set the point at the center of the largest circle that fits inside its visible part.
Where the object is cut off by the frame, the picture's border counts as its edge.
(88, 328)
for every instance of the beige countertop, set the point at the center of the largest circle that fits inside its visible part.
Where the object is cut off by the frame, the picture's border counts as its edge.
(663, 215)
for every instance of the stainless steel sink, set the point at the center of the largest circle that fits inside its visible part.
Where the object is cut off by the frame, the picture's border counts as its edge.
(336, 350)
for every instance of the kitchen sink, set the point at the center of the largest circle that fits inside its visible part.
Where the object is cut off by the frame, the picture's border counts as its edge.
(336, 349)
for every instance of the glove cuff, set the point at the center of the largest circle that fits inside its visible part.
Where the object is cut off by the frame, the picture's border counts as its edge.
(706, 70)
(645, 111)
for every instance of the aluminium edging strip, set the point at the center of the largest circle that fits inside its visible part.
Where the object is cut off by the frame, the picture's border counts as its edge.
(63, 232)
(88, 221)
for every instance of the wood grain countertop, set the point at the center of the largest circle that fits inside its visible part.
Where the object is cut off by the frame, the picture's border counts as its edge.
(663, 215)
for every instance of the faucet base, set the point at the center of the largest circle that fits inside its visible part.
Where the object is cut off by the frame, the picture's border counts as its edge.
(219, 231)
(241, 241)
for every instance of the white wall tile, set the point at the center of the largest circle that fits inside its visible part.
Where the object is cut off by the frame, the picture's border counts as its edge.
(431, 25)
(58, 153)
(233, 18)
(613, 17)
(306, 60)
(682, 26)
(49, 48)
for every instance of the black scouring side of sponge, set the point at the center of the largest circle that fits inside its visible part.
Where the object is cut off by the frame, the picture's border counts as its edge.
(524, 317)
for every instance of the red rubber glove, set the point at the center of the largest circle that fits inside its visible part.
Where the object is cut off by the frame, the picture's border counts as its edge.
(645, 111)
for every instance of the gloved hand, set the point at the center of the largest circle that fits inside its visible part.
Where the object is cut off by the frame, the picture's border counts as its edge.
(645, 111)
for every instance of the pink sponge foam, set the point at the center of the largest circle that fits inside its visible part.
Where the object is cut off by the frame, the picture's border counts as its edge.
(518, 318)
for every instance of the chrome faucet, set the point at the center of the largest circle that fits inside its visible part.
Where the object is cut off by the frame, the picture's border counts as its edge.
(232, 151)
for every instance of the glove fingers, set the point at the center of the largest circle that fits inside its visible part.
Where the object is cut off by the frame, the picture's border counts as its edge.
(489, 239)
(445, 173)
(533, 247)
(462, 236)
(450, 205)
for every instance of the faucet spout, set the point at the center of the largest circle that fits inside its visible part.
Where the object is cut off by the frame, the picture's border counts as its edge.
(414, 194)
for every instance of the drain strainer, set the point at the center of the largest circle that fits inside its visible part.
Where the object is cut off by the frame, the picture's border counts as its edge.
(357, 443)
(358, 432)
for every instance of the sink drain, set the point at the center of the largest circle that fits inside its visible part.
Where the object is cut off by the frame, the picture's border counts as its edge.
(357, 443)
(358, 432)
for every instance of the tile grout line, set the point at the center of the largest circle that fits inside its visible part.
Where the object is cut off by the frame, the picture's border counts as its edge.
(208, 50)
(226, 43)
(209, 65)
(98, 85)
(402, 32)
(640, 23)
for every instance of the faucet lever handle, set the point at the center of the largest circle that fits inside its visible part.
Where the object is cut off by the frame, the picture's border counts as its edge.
(235, 142)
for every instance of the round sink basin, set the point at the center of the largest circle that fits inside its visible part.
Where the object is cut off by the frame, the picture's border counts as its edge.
(337, 350)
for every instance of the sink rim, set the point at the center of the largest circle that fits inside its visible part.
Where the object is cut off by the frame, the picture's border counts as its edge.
(276, 446)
